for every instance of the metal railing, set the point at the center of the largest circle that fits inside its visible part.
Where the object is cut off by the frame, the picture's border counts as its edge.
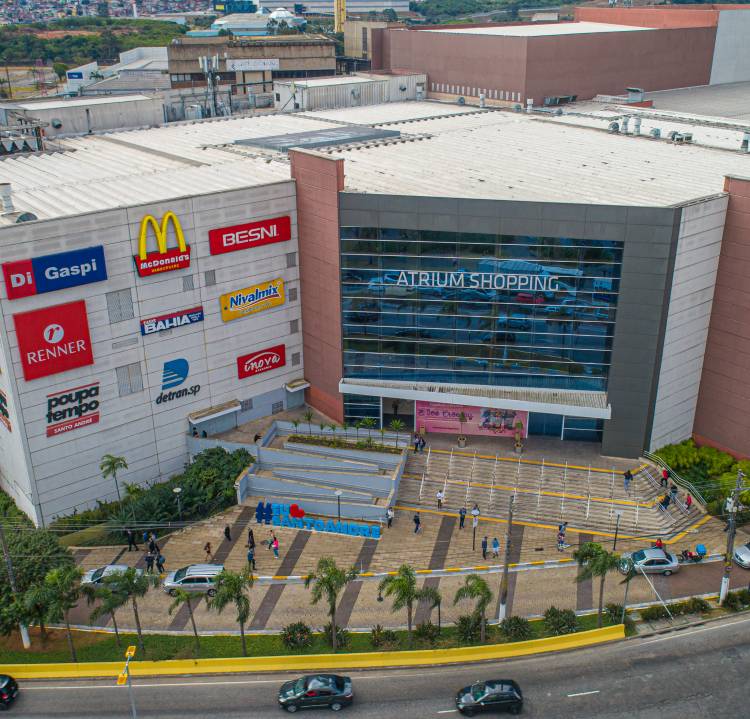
(679, 481)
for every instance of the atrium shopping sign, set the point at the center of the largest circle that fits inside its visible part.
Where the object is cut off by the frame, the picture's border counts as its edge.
(164, 259)
(480, 280)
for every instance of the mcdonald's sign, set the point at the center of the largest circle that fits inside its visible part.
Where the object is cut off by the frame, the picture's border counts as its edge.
(164, 259)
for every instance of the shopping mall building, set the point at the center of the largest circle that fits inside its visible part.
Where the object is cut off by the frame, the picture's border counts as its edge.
(410, 260)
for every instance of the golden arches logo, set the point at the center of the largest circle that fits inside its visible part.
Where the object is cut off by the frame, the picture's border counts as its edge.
(164, 259)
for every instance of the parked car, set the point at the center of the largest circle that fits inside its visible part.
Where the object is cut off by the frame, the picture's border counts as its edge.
(529, 298)
(651, 561)
(742, 555)
(8, 691)
(193, 578)
(96, 576)
(316, 691)
(496, 695)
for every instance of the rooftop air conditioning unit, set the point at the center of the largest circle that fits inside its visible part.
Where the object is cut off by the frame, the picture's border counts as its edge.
(655, 133)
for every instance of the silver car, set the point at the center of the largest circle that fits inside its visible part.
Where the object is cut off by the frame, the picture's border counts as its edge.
(742, 555)
(651, 561)
(198, 578)
(96, 576)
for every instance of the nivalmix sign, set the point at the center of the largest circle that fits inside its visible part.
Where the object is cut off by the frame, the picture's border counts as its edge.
(50, 273)
(480, 280)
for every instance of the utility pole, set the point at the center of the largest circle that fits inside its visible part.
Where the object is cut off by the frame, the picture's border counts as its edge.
(504, 581)
(733, 504)
(14, 587)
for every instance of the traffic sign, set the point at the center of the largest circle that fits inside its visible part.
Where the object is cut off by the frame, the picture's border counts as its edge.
(130, 651)
(122, 679)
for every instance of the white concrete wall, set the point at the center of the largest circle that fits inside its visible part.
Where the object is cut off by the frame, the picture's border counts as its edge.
(151, 437)
(696, 264)
(731, 61)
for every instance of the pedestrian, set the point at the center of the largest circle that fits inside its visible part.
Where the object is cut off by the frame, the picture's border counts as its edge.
(389, 516)
(440, 497)
(562, 527)
(658, 544)
(627, 479)
(422, 443)
(207, 550)
(195, 431)
(227, 533)
(250, 539)
(484, 547)
(417, 522)
(251, 558)
(153, 547)
(461, 517)
(144, 536)
(256, 438)
(149, 562)
(673, 492)
(560, 541)
(664, 478)
(475, 514)
(416, 443)
(204, 434)
(275, 546)
(688, 501)
(495, 548)
(664, 502)
(130, 534)
(160, 563)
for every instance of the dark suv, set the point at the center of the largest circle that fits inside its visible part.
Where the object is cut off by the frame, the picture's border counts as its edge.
(8, 691)
(316, 691)
(497, 695)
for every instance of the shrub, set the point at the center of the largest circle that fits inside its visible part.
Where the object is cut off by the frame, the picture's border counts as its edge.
(744, 595)
(296, 636)
(697, 605)
(515, 629)
(613, 613)
(468, 628)
(651, 614)
(342, 636)
(427, 631)
(734, 601)
(560, 621)
(380, 637)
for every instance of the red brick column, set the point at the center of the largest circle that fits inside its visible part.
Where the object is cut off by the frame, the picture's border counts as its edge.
(319, 180)
(722, 419)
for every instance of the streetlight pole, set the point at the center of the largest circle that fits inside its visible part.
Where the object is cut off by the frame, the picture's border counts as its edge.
(177, 491)
(733, 503)
(504, 581)
(338, 494)
(618, 514)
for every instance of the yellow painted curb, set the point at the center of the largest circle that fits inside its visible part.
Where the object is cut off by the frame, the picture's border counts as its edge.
(364, 660)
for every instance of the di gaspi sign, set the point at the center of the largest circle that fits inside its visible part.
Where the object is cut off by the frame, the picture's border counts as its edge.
(250, 300)
(164, 259)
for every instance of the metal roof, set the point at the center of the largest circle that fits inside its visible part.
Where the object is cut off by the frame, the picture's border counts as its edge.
(731, 100)
(542, 29)
(59, 104)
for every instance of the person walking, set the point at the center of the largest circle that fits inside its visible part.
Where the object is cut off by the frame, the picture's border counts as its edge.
(251, 557)
(153, 547)
(149, 562)
(440, 497)
(130, 534)
(673, 492)
(227, 533)
(475, 513)
(417, 523)
(160, 563)
(250, 539)
(389, 516)
(461, 517)
(484, 548)
(208, 551)
(627, 478)
(495, 548)
(688, 501)
(275, 546)
(144, 536)
(560, 541)
(416, 443)
(664, 478)
(422, 443)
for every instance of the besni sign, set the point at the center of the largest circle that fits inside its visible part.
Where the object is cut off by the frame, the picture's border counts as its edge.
(250, 234)
(54, 339)
(250, 300)
(164, 259)
(262, 361)
(171, 320)
(50, 273)
(174, 374)
(72, 408)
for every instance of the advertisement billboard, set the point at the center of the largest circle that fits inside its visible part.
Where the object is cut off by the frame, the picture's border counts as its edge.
(164, 259)
(261, 361)
(54, 339)
(249, 234)
(253, 299)
(171, 320)
(50, 273)
(174, 373)
(485, 421)
(72, 409)
(4, 413)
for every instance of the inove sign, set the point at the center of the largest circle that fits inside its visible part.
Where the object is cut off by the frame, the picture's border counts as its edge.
(262, 361)
(250, 234)
(50, 273)
(250, 300)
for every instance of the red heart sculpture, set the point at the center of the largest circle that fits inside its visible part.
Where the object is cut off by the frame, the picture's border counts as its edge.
(296, 511)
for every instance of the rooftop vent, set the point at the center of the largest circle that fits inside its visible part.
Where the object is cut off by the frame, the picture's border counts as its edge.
(655, 133)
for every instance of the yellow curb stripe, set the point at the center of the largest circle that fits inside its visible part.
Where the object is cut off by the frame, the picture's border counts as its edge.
(287, 663)
(693, 526)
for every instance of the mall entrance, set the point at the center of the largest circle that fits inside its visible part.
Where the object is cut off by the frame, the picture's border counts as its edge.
(396, 408)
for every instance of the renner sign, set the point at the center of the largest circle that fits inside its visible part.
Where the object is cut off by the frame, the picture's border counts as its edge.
(54, 339)
(250, 234)
(480, 280)
(263, 361)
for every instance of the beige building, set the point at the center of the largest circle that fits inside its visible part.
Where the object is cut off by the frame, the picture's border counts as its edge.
(358, 36)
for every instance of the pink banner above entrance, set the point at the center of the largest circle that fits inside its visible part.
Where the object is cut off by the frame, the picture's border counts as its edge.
(486, 421)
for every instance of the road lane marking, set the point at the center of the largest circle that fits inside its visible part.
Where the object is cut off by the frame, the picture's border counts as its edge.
(447, 711)
(584, 694)
(679, 634)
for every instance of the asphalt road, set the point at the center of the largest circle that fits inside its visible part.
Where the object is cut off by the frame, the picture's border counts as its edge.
(697, 672)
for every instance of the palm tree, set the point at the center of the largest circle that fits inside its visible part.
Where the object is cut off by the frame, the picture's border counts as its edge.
(382, 435)
(35, 602)
(434, 599)
(475, 587)
(295, 424)
(595, 561)
(308, 415)
(369, 423)
(110, 466)
(65, 589)
(328, 581)
(231, 588)
(182, 597)
(397, 425)
(403, 587)
(333, 428)
(134, 586)
(323, 426)
(109, 603)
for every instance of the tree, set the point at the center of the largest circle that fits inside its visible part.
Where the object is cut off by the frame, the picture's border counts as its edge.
(35, 603)
(134, 586)
(328, 580)
(402, 586)
(308, 415)
(434, 599)
(64, 585)
(109, 602)
(595, 561)
(182, 597)
(369, 423)
(475, 587)
(397, 426)
(110, 466)
(295, 424)
(323, 426)
(232, 588)
(389, 15)
(60, 69)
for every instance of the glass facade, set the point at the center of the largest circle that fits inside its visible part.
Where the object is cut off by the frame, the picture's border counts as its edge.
(458, 308)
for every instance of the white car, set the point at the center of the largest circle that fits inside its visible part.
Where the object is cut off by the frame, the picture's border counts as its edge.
(742, 556)
(95, 576)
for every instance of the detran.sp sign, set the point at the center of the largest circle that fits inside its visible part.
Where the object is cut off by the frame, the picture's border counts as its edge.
(250, 234)
(262, 361)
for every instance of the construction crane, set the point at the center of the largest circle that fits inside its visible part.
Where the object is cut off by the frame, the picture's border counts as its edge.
(339, 15)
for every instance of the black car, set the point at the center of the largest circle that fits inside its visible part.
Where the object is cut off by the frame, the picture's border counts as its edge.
(497, 695)
(315, 691)
(8, 691)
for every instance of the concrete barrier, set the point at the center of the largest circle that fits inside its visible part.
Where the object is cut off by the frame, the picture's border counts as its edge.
(306, 663)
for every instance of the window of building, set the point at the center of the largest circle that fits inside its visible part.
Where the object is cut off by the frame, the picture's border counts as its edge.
(188, 283)
(246, 405)
(293, 327)
(120, 306)
(296, 358)
(364, 42)
(291, 259)
(210, 277)
(129, 379)
(293, 294)
(277, 407)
